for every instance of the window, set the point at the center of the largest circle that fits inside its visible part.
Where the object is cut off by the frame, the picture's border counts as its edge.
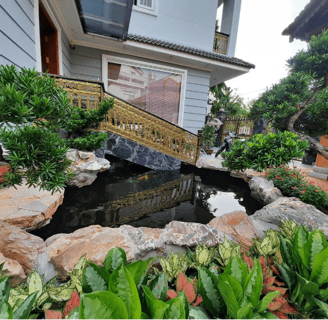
(154, 88)
(146, 6)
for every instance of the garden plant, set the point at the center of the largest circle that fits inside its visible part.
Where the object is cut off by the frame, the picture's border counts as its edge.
(32, 111)
(284, 275)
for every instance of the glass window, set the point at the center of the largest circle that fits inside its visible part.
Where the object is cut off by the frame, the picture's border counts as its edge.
(152, 90)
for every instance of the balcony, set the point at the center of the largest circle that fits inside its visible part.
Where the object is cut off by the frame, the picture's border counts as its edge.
(220, 44)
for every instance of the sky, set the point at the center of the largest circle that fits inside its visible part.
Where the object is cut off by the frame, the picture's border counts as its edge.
(260, 42)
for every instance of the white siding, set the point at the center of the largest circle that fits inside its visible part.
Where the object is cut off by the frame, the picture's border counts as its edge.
(186, 22)
(66, 55)
(87, 63)
(17, 35)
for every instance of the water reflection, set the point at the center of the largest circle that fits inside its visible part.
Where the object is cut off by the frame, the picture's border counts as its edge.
(151, 199)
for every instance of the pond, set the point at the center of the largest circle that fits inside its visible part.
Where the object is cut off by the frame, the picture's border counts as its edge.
(134, 195)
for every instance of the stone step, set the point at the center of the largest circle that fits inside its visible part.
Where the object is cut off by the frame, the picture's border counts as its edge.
(318, 175)
(320, 169)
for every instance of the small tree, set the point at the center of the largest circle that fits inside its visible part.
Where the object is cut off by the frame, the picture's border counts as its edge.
(226, 99)
(33, 109)
(298, 103)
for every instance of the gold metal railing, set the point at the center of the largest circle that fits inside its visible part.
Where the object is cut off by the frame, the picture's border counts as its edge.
(134, 123)
(220, 44)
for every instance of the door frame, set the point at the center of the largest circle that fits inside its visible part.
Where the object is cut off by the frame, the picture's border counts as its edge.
(53, 19)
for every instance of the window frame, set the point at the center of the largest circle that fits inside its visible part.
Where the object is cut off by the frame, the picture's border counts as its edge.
(153, 66)
(151, 11)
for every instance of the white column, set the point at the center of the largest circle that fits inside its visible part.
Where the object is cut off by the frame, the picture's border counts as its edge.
(230, 22)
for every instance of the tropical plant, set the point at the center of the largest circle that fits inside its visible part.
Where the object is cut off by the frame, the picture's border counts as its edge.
(208, 136)
(173, 265)
(304, 270)
(298, 103)
(226, 251)
(264, 151)
(267, 246)
(292, 182)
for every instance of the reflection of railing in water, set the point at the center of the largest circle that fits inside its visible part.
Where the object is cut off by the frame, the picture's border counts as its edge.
(138, 204)
(134, 123)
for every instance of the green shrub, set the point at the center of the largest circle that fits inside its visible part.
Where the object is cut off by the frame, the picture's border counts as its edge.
(264, 151)
(291, 183)
(88, 142)
(208, 136)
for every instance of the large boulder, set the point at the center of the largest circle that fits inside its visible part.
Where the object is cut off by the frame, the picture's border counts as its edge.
(28, 250)
(28, 208)
(236, 225)
(294, 209)
(263, 190)
(86, 166)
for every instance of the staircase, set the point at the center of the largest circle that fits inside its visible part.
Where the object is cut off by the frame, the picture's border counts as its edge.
(135, 134)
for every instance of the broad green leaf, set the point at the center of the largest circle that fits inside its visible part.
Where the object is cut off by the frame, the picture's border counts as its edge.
(286, 250)
(34, 283)
(102, 305)
(236, 287)
(228, 296)
(121, 283)
(244, 310)
(319, 272)
(94, 279)
(74, 313)
(114, 258)
(208, 288)
(264, 303)
(197, 313)
(144, 316)
(253, 284)
(268, 315)
(308, 288)
(138, 270)
(300, 239)
(323, 306)
(4, 289)
(315, 244)
(61, 293)
(157, 309)
(176, 309)
(295, 293)
(6, 312)
(77, 273)
(24, 310)
(185, 301)
(323, 294)
(148, 297)
(159, 286)
(237, 268)
(288, 275)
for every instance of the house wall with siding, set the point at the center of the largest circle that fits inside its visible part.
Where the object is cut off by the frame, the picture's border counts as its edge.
(17, 35)
(87, 63)
(186, 22)
(66, 55)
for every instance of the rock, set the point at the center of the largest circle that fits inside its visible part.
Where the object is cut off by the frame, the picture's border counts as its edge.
(293, 208)
(13, 269)
(247, 175)
(28, 208)
(263, 190)
(189, 234)
(94, 241)
(28, 250)
(208, 162)
(144, 241)
(262, 226)
(238, 226)
(85, 166)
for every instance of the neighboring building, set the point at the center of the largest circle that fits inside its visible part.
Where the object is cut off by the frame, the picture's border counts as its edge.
(311, 21)
(161, 55)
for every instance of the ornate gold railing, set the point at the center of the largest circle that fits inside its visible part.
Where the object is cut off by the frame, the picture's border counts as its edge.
(220, 44)
(134, 123)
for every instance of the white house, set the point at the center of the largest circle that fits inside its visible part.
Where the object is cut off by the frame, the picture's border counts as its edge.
(161, 55)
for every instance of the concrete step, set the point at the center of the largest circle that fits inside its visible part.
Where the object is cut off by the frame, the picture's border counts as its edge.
(318, 175)
(320, 169)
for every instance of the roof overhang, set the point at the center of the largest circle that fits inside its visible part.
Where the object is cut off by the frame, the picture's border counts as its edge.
(68, 16)
(311, 21)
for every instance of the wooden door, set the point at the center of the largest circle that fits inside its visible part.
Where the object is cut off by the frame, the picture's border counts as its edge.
(49, 43)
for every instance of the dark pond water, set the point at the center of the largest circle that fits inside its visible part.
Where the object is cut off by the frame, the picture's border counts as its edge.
(134, 195)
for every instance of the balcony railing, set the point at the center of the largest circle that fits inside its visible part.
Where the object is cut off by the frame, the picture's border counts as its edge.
(220, 44)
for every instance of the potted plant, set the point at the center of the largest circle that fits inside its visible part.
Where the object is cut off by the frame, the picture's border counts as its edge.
(208, 138)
